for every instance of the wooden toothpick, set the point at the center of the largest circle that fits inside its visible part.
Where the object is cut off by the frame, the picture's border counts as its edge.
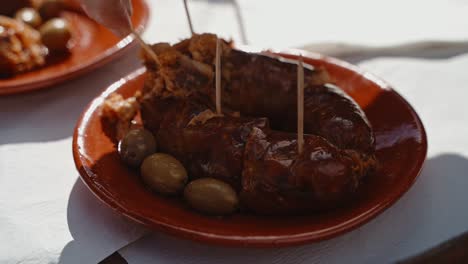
(300, 105)
(117, 17)
(138, 37)
(187, 13)
(146, 47)
(218, 76)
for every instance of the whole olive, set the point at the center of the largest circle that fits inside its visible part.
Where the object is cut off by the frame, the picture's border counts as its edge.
(135, 146)
(29, 16)
(51, 8)
(211, 196)
(163, 173)
(55, 34)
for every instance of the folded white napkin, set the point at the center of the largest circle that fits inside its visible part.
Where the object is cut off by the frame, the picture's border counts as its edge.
(47, 215)
(432, 211)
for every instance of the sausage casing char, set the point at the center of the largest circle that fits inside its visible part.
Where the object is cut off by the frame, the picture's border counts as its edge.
(212, 148)
(276, 179)
(252, 146)
(263, 86)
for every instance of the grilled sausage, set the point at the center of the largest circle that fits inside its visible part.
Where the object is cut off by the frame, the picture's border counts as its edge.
(265, 86)
(240, 147)
(278, 180)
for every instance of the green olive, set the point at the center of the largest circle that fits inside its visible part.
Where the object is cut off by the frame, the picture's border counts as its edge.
(163, 173)
(55, 34)
(135, 146)
(211, 196)
(29, 16)
(51, 8)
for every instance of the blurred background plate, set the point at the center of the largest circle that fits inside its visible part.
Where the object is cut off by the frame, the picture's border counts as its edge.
(93, 46)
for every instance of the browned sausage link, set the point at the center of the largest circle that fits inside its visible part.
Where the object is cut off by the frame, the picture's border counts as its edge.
(214, 148)
(243, 151)
(263, 86)
(276, 180)
(262, 164)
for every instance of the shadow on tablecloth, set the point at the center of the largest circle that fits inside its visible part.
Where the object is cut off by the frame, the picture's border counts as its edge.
(96, 229)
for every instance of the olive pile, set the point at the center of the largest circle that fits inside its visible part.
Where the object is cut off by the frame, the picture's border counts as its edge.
(55, 31)
(164, 174)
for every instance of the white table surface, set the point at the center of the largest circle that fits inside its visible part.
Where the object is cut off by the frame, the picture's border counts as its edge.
(48, 216)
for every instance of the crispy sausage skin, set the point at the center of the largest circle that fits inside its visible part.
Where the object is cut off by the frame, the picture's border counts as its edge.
(264, 86)
(209, 148)
(253, 145)
(278, 180)
(262, 164)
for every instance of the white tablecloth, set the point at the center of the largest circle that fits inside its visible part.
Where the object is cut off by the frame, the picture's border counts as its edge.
(48, 216)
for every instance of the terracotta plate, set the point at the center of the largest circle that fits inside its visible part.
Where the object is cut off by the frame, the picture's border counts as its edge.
(401, 150)
(92, 46)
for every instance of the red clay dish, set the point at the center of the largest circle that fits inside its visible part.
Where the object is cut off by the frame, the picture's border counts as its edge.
(401, 151)
(93, 46)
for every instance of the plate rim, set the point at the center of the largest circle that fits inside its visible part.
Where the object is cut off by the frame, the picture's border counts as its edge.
(113, 52)
(246, 241)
